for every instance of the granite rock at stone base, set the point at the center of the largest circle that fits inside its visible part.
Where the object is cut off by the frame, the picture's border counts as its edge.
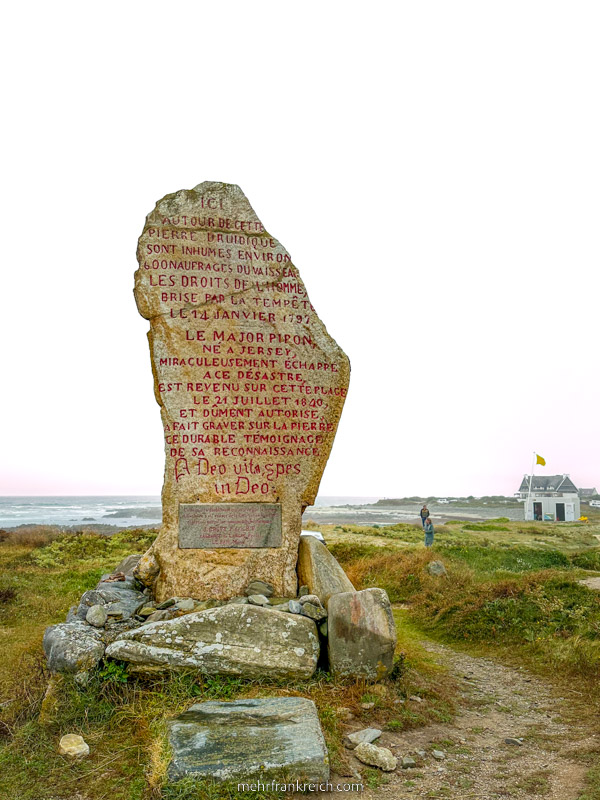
(128, 564)
(239, 299)
(365, 735)
(118, 600)
(71, 744)
(267, 738)
(124, 583)
(313, 612)
(258, 600)
(96, 616)
(185, 604)
(163, 615)
(72, 647)
(361, 634)
(376, 756)
(294, 607)
(147, 570)
(436, 568)
(309, 598)
(320, 571)
(259, 587)
(245, 640)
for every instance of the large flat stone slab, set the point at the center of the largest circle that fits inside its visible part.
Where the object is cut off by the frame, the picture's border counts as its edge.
(361, 634)
(245, 640)
(319, 570)
(271, 738)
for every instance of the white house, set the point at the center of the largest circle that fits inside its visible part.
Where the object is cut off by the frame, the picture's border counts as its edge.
(553, 498)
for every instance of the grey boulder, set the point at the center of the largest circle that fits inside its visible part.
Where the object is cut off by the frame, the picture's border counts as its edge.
(120, 602)
(72, 647)
(245, 640)
(127, 565)
(259, 587)
(96, 616)
(361, 634)
(313, 611)
(258, 600)
(319, 570)
(365, 735)
(269, 738)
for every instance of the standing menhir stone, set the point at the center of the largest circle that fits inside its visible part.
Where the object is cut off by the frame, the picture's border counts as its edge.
(251, 388)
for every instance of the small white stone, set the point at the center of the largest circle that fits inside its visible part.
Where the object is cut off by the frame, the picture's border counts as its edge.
(376, 756)
(73, 745)
(365, 735)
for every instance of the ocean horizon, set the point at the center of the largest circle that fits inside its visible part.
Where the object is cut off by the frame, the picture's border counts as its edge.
(114, 510)
(110, 512)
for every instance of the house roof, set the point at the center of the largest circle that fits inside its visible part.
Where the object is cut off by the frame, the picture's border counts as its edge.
(587, 492)
(548, 483)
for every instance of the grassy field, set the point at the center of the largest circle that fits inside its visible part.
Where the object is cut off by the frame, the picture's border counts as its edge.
(512, 591)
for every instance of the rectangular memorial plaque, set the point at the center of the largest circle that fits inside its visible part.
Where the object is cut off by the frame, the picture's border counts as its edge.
(208, 526)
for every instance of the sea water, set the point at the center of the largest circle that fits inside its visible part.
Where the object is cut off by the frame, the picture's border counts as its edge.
(121, 511)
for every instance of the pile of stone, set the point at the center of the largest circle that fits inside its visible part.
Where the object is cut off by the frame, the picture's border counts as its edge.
(253, 635)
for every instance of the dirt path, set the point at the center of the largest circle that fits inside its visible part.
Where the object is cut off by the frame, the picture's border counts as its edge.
(497, 703)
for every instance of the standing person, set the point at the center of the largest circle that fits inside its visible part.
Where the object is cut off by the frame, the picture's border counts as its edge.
(424, 514)
(429, 531)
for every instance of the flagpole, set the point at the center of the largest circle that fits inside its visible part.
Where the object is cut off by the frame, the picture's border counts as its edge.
(530, 482)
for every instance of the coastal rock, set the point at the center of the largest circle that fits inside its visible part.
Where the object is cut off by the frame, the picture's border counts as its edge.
(185, 604)
(268, 738)
(294, 607)
(314, 612)
(319, 570)
(376, 756)
(309, 598)
(96, 616)
(361, 634)
(258, 600)
(147, 570)
(162, 615)
(231, 640)
(365, 735)
(128, 565)
(73, 745)
(259, 587)
(233, 314)
(120, 602)
(72, 647)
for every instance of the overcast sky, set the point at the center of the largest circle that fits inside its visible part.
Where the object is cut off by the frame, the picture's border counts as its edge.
(433, 168)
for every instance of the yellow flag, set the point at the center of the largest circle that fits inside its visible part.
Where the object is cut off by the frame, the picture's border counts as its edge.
(540, 460)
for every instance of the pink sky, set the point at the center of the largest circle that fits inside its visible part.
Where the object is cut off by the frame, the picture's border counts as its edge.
(432, 169)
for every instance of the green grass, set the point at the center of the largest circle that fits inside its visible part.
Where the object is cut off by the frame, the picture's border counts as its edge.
(511, 593)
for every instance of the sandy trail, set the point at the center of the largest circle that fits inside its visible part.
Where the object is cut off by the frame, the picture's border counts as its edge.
(496, 703)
